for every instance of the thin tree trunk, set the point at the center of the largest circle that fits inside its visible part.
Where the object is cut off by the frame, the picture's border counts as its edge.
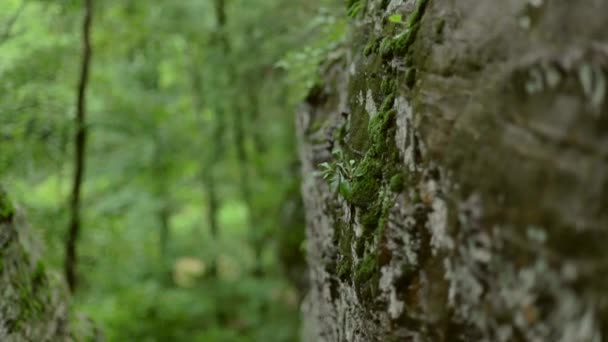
(164, 215)
(256, 238)
(219, 128)
(164, 211)
(212, 213)
(220, 16)
(208, 175)
(164, 218)
(254, 118)
(255, 165)
(240, 138)
(80, 145)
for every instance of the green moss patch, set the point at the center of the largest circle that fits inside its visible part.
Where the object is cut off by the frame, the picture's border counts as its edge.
(377, 173)
(397, 183)
(400, 44)
(367, 274)
(7, 210)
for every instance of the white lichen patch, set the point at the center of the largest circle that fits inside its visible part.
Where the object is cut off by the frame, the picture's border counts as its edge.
(394, 5)
(352, 69)
(593, 82)
(552, 75)
(411, 244)
(404, 135)
(404, 247)
(438, 225)
(360, 98)
(534, 83)
(465, 289)
(586, 67)
(370, 105)
(499, 296)
(389, 274)
(525, 22)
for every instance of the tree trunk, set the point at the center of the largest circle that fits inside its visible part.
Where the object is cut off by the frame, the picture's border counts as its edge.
(239, 121)
(474, 208)
(212, 215)
(164, 219)
(79, 155)
(208, 178)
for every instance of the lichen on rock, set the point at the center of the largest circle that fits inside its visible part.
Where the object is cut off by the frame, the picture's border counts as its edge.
(477, 202)
(34, 300)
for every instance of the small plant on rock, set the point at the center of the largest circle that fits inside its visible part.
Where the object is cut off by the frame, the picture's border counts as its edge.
(338, 173)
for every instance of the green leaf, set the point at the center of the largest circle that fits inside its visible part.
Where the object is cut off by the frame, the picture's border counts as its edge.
(396, 18)
(344, 188)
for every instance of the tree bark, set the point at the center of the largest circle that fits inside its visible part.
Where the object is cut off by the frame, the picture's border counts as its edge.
(71, 258)
(466, 195)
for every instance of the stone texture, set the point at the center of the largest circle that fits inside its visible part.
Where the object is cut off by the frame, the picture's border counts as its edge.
(33, 300)
(464, 195)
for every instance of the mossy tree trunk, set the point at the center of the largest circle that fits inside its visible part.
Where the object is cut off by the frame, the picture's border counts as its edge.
(455, 165)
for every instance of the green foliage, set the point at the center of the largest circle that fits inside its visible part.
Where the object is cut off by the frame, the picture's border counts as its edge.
(222, 311)
(338, 173)
(400, 44)
(160, 83)
(353, 8)
(302, 64)
(396, 18)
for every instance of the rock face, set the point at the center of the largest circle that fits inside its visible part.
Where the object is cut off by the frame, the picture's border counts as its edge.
(455, 166)
(33, 301)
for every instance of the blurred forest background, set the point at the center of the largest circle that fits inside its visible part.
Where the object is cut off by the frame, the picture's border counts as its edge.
(191, 222)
